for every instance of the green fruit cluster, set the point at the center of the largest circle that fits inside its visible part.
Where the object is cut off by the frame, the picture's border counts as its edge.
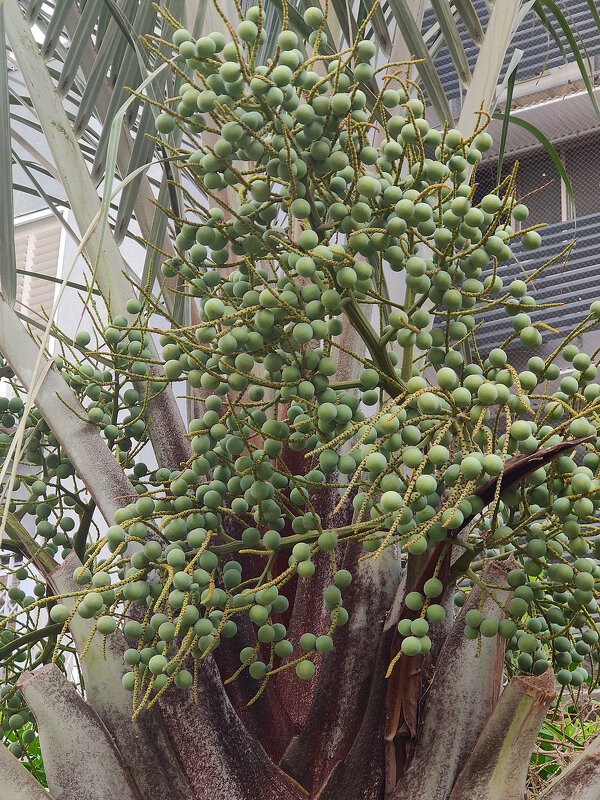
(325, 211)
(17, 724)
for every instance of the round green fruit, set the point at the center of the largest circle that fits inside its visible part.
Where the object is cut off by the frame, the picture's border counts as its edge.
(305, 670)
(165, 123)
(59, 613)
(411, 646)
(313, 17)
(433, 588)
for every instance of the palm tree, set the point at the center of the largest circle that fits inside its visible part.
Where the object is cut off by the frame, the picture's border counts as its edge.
(434, 729)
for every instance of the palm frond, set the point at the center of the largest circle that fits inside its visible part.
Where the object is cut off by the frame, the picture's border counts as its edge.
(8, 263)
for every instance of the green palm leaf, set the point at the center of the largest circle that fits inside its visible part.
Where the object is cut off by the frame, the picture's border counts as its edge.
(8, 275)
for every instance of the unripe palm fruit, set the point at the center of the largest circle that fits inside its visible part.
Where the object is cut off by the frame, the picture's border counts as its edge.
(305, 670)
